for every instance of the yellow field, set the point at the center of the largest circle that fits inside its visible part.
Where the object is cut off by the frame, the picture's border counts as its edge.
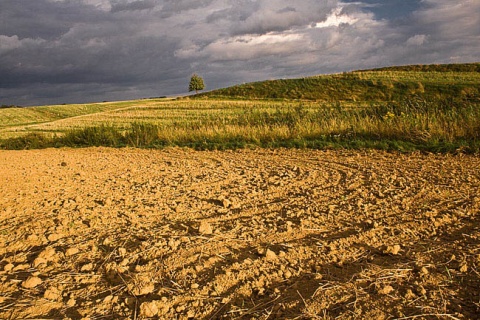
(16, 122)
(413, 124)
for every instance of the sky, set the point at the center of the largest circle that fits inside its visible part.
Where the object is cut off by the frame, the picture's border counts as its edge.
(78, 51)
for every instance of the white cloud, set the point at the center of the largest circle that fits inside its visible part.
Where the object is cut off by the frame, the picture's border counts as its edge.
(252, 46)
(99, 4)
(335, 19)
(417, 40)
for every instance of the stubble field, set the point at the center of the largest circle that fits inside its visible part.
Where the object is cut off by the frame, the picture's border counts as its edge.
(104, 233)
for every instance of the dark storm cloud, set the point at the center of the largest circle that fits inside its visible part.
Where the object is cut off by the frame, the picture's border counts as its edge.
(276, 15)
(132, 6)
(86, 50)
(391, 9)
(172, 7)
(41, 18)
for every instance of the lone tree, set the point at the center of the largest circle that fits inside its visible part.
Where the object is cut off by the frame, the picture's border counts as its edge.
(196, 83)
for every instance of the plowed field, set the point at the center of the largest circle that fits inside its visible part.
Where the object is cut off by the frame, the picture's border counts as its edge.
(253, 234)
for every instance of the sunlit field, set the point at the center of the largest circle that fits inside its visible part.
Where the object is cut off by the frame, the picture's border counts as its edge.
(214, 124)
(435, 110)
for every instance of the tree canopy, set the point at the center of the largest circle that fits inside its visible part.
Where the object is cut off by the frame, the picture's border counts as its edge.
(196, 83)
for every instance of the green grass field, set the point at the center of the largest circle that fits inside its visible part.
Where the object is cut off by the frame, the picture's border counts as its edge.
(388, 84)
(409, 109)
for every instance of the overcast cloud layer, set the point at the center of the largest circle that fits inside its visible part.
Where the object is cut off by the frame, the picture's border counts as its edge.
(66, 51)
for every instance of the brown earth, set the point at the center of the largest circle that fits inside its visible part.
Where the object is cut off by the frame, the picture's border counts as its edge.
(178, 234)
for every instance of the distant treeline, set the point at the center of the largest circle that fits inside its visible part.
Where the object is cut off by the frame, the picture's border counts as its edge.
(6, 106)
(464, 67)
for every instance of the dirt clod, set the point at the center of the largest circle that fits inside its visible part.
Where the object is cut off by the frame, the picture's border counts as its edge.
(141, 286)
(39, 261)
(8, 267)
(463, 268)
(87, 267)
(149, 309)
(122, 252)
(71, 302)
(226, 203)
(71, 252)
(54, 237)
(32, 282)
(424, 271)
(394, 250)
(48, 254)
(386, 290)
(270, 255)
(53, 294)
(205, 228)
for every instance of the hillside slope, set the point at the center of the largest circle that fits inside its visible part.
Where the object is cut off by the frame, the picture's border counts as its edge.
(385, 84)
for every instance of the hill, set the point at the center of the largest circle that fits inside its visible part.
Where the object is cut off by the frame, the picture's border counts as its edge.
(457, 67)
(429, 108)
(377, 85)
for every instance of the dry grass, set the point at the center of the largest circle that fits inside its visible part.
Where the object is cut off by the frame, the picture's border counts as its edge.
(442, 125)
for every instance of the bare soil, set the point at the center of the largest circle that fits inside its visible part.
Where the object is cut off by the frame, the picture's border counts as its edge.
(253, 234)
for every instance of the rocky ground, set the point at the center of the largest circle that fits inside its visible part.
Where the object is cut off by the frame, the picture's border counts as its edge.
(254, 234)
